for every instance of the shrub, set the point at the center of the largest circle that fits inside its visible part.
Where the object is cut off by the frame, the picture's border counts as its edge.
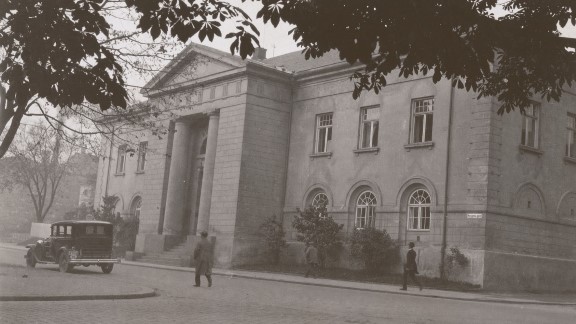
(316, 227)
(457, 257)
(375, 248)
(273, 238)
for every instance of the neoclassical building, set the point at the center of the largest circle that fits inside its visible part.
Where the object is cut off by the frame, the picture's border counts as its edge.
(427, 162)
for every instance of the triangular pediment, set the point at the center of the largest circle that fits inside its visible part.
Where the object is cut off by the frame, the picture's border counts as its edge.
(194, 62)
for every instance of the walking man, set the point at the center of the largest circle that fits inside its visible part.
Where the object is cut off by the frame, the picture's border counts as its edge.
(311, 253)
(410, 268)
(203, 259)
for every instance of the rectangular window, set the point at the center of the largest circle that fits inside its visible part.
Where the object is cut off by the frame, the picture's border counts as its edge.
(142, 148)
(121, 162)
(530, 126)
(422, 120)
(571, 142)
(419, 218)
(369, 118)
(323, 133)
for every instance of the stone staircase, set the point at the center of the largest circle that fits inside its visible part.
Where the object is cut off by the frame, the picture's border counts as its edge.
(178, 256)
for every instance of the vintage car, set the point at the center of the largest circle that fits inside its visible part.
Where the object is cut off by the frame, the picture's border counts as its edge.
(74, 243)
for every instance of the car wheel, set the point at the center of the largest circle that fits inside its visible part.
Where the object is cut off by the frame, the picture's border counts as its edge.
(63, 263)
(30, 259)
(107, 268)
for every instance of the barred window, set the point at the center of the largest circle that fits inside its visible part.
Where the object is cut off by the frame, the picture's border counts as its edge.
(422, 120)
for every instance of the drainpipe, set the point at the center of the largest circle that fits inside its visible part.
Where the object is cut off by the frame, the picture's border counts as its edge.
(448, 146)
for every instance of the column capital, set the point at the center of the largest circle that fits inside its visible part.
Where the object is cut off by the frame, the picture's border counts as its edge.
(213, 113)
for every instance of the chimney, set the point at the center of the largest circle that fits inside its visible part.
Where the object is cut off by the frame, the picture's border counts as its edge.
(259, 54)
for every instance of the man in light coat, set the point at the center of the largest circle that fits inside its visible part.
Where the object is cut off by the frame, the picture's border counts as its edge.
(203, 259)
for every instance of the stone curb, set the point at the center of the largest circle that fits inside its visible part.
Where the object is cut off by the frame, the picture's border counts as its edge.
(257, 276)
(146, 292)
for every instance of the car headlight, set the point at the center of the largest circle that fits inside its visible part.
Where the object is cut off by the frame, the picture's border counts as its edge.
(73, 253)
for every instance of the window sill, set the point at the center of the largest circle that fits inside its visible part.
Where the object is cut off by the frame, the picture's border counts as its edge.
(119, 173)
(418, 230)
(570, 159)
(140, 172)
(411, 146)
(529, 149)
(321, 155)
(374, 150)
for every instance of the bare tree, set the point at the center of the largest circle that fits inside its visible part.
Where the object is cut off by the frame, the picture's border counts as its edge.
(39, 161)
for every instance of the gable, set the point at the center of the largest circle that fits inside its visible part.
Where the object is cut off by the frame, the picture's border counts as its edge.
(194, 62)
(195, 67)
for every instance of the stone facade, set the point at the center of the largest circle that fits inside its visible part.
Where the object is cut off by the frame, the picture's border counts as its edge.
(245, 148)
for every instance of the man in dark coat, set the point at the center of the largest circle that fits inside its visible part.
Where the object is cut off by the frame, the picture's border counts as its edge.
(410, 268)
(203, 259)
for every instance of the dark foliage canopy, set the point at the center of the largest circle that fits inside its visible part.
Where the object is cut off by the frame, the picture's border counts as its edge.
(56, 49)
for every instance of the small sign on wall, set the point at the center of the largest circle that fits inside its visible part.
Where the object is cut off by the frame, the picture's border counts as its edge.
(474, 216)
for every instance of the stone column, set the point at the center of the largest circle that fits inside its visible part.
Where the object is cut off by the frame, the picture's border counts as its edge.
(176, 193)
(209, 160)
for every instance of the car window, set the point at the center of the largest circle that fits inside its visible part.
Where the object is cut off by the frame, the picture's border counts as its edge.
(89, 230)
(100, 230)
(54, 230)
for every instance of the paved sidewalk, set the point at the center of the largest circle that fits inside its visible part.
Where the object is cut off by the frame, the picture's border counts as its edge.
(480, 296)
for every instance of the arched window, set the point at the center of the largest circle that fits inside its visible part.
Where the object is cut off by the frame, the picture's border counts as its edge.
(320, 199)
(419, 210)
(365, 210)
(135, 208)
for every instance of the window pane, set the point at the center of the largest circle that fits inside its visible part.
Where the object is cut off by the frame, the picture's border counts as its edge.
(418, 128)
(372, 113)
(365, 135)
(321, 140)
(375, 134)
(428, 135)
(523, 137)
(531, 132)
(571, 147)
(425, 218)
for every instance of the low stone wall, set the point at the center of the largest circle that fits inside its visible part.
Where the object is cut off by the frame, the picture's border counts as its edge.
(40, 230)
(519, 272)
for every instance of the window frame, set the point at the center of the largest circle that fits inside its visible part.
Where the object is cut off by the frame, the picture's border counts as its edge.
(369, 215)
(535, 117)
(142, 151)
(373, 129)
(422, 208)
(327, 135)
(571, 139)
(425, 114)
(136, 207)
(121, 159)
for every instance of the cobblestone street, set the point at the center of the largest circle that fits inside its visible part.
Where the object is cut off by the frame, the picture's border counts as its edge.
(237, 300)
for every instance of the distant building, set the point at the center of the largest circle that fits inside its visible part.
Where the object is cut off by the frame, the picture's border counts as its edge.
(427, 162)
(17, 209)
